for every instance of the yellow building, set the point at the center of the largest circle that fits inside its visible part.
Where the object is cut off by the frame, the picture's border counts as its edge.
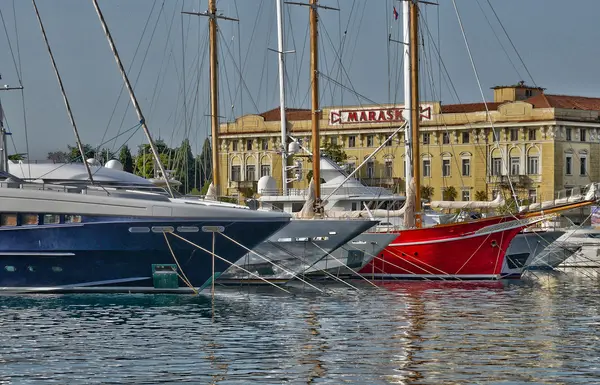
(537, 142)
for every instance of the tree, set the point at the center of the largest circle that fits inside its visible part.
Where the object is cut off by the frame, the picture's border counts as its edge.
(427, 192)
(105, 155)
(481, 195)
(58, 156)
(144, 162)
(183, 166)
(333, 151)
(204, 163)
(17, 157)
(75, 156)
(449, 193)
(126, 159)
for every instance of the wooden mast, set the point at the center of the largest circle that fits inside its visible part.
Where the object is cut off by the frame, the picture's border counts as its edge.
(415, 106)
(214, 90)
(315, 113)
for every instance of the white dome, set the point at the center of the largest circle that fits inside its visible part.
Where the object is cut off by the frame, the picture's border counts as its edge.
(293, 147)
(114, 164)
(267, 185)
(93, 162)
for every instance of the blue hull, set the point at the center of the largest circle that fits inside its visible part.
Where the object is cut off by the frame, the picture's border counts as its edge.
(106, 253)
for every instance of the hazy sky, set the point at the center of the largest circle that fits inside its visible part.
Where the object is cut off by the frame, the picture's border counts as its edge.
(559, 47)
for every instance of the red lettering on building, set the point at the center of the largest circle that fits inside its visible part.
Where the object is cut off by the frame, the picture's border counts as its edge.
(352, 116)
(371, 116)
(363, 116)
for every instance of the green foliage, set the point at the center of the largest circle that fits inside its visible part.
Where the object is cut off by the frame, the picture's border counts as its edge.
(449, 193)
(205, 187)
(144, 164)
(58, 156)
(195, 191)
(74, 156)
(427, 192)
(481, 196)
(17, 157)
(126, 159)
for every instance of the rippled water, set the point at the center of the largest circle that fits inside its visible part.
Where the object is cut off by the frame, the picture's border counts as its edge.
(540, 330)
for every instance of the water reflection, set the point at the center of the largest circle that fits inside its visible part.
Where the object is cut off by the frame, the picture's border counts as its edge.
(542, 329)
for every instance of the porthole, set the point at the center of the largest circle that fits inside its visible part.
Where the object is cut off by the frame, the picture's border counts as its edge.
(284, 240)
(57, 269)
(31, 268)
(162, 229)
(320, 238)
(187, 229)
(303, 239)
(139, 230)
(10, 269)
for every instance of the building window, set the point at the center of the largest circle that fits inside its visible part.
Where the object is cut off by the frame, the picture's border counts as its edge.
(370, 169)
(370, 140)
(265, 170)
(350, 167)
(249, 145)
(583, 166)
(569, 165)
(426, 138)
(533, 165)
(466, 195)
(568, 133)
(582, 134)
(236, 172)
(352, 141)
(514, 134)
(496, 166)
(404, 168)
(532, 134)
(514, 165)
(388, 142)
(495, 194)
(388, 170)
(445, 167)
(250, 172)
(334, 140)
(465, 137)
(532, 196)
(528, 93)
(264, 144)
(466, 167)
(427, 168)
(446, 138)
(234, 145)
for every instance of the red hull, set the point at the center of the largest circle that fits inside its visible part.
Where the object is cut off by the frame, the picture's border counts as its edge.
(453, 251)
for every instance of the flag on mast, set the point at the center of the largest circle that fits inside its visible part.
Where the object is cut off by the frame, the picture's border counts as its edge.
(395, 14)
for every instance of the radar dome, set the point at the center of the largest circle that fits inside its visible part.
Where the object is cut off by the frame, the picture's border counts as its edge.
(93, 162)
(293, 147)
(114, 164)
(267, 185)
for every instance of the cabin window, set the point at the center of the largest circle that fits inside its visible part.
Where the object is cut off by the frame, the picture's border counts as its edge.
(426, 167)
(72, 218)
(162, 229)
(533, 165)
(426, 138)
(250, 172)
(569, 165)
(265, 170)
(51, 219)
(57, 269)
(446, 138)
(8, 220)
(514, 134)
(532, 134)
(446, 167)
(10, 269)
(187, 229)
(236, 173)
(370, 140)
(352, 141)
(29, 219)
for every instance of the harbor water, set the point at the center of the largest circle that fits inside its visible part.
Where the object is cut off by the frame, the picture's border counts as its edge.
(543, 329)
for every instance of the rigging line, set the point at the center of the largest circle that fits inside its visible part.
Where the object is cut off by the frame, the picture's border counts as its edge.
(352, 90)
(299, 67)
(223, 69)
(239, 46)
(243, 82)
(362, 15)
(511, 43)
(12, 54)
(265, 68)
(183, 44)
(252, 40)
(499, 41)
(122, 85)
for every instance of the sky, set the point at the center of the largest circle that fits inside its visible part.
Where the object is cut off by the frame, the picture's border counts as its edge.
(166, 52)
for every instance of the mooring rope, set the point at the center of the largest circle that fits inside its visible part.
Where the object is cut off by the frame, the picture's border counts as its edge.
(184, 278)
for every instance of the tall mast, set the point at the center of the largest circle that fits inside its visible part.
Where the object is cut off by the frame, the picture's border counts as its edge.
(409, 220)
(280, 55)
(415, 105)
(132, 96)
(315, 113)
(214, 92)
(64, 95)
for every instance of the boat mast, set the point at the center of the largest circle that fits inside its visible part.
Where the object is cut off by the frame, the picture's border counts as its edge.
(315, 113)
(133, 98)
(64, 95)
(280, 55)
(408, 143)
(415, 106)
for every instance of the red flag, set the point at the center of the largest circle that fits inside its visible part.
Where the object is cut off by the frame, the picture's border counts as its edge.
(395, 14)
